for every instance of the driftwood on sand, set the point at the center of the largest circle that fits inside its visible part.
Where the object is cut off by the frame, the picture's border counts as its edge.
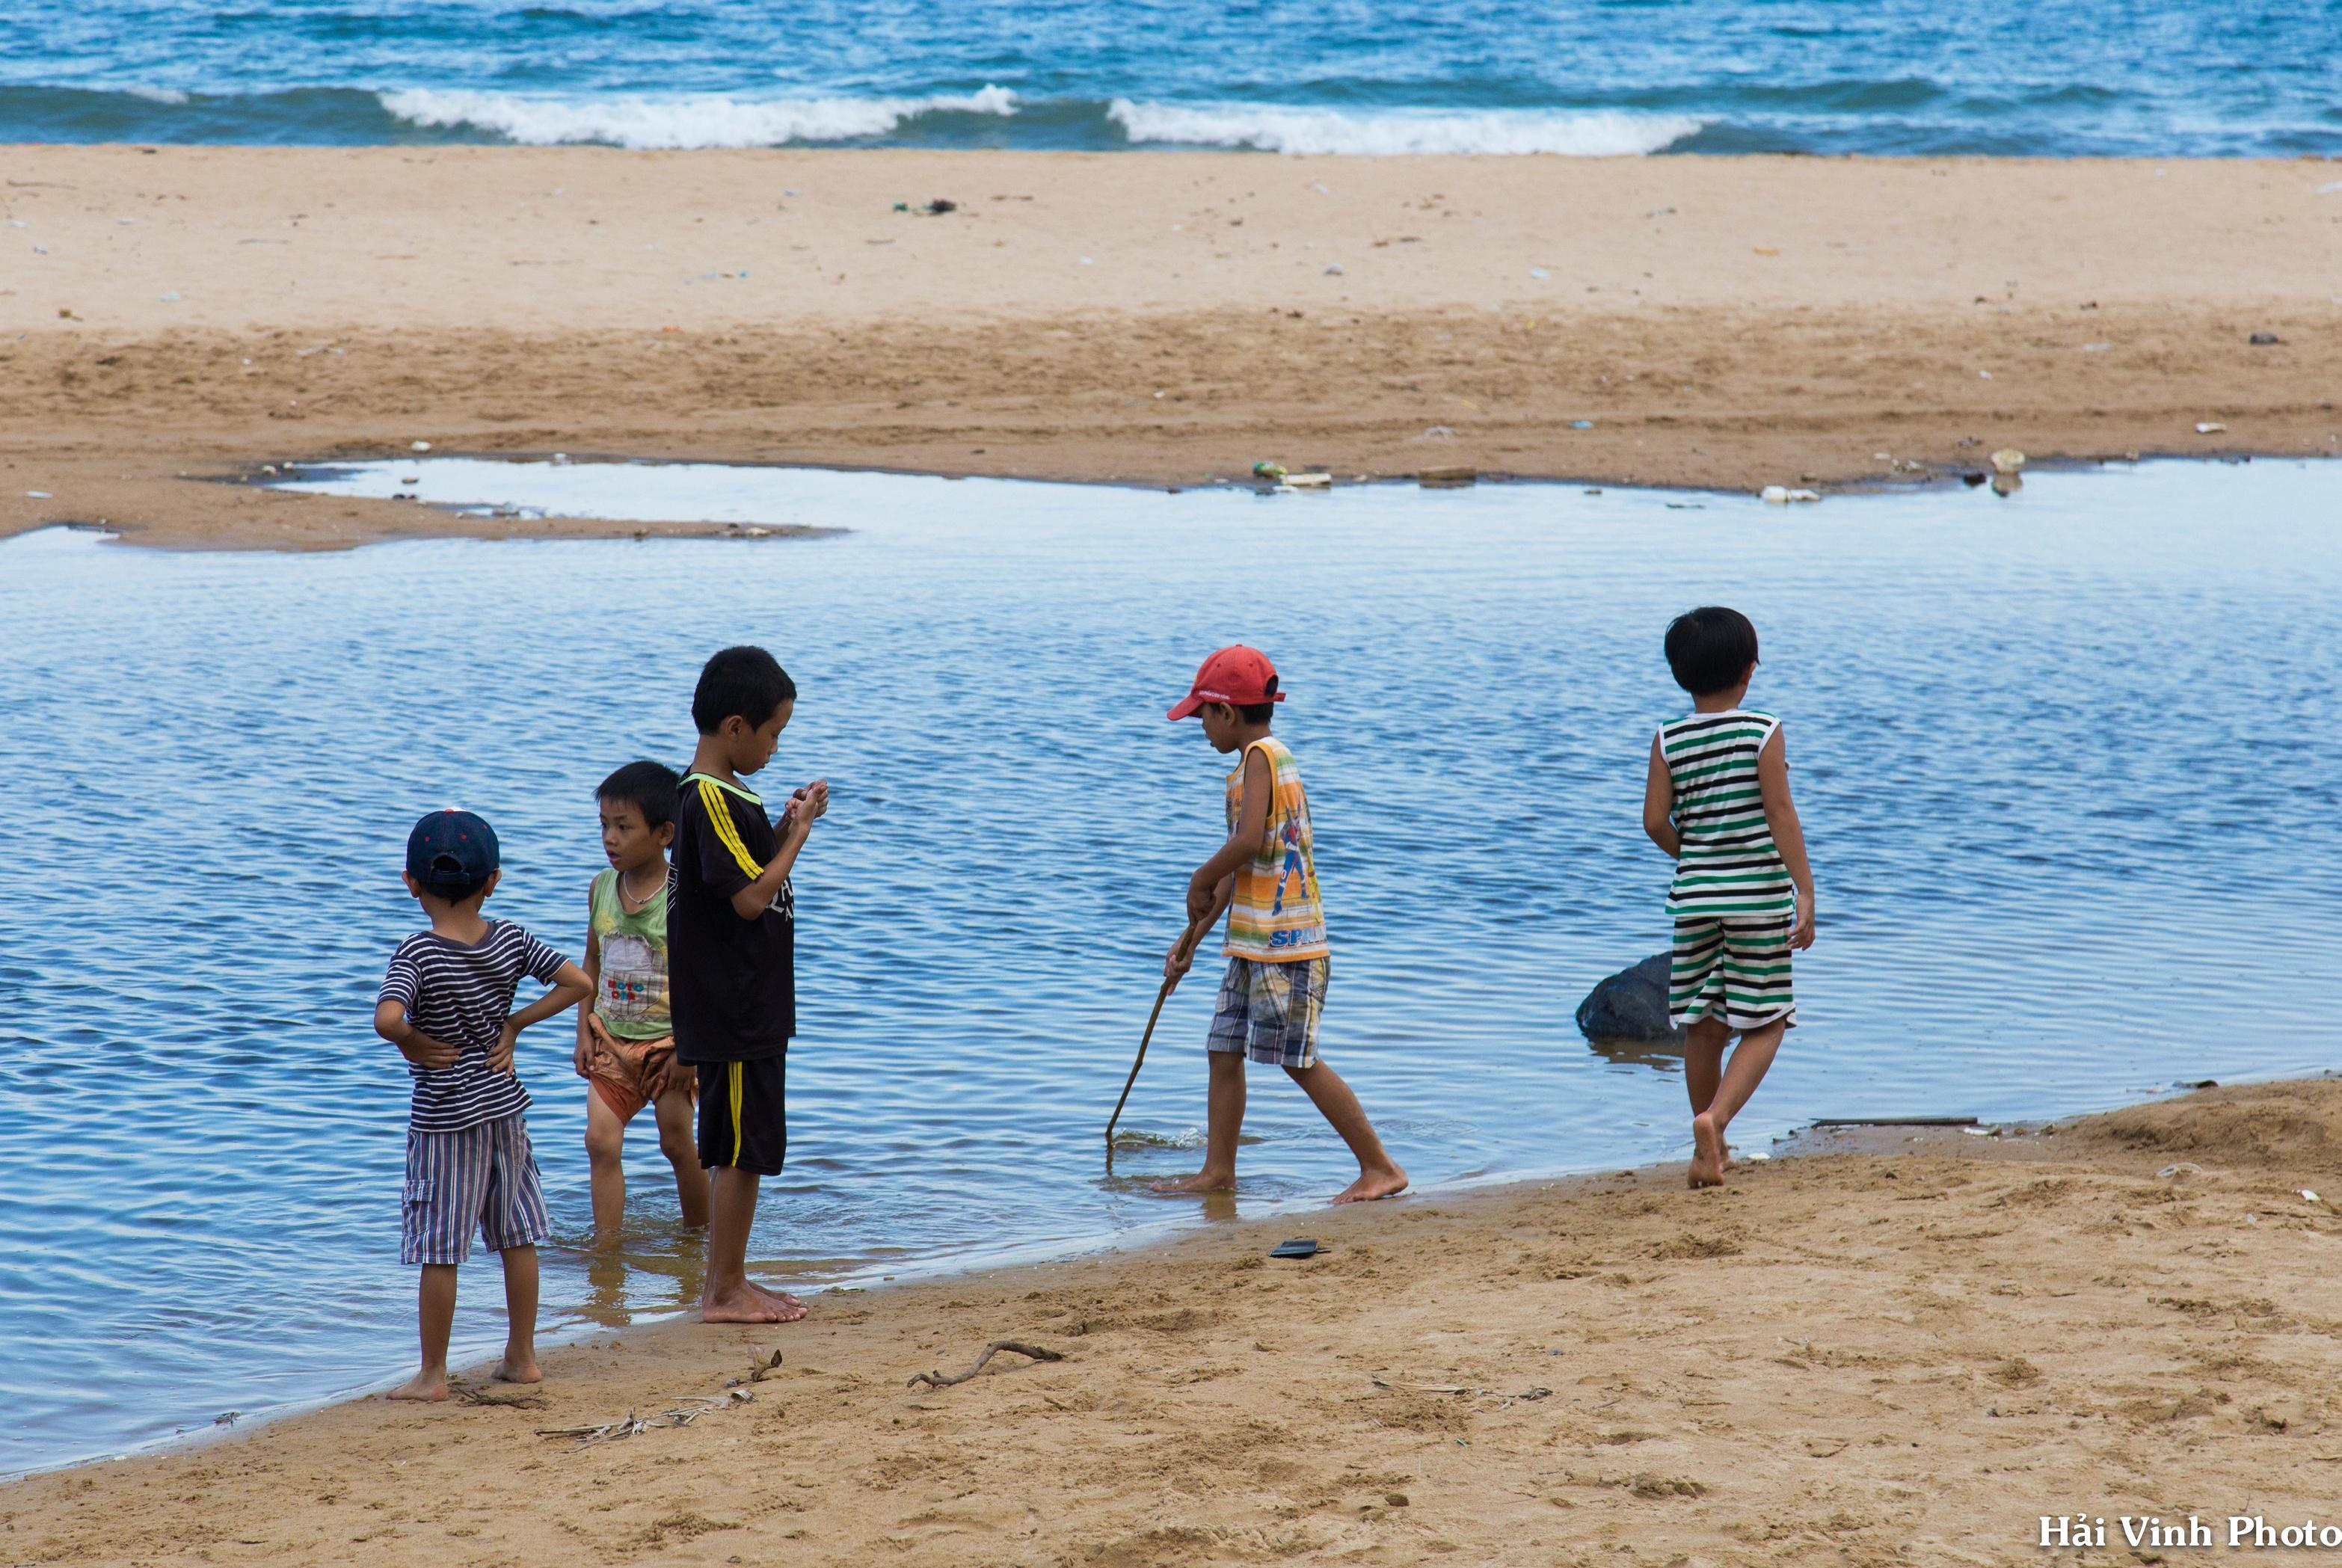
(937, 1380)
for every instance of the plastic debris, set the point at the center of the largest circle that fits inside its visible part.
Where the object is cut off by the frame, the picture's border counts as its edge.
(39, 496)
(1782, 495)
(2183, 1168)
(1268, 470)
(1436, 433)
(2313, 1197)
(2008, 460)
(1581, 425)
(173, 298)
(1310, 481)
(1538, 272)
(420, 446)
(1332, 269)
(2209, 427)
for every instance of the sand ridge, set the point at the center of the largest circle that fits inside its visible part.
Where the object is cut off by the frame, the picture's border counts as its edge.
(1142, 319)
(1904, 1348)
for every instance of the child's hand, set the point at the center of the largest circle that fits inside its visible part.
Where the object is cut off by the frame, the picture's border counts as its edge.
(425, 1051)
(500, 1055)
(1802, 936)
(676, 1075)
(1181, 958)
(1203, 897)
(583, 1057)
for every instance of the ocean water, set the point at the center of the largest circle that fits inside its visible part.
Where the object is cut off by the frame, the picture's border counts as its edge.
(2068, 763)
(2040, 77)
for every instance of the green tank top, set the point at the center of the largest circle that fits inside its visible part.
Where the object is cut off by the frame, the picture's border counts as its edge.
(631, 999)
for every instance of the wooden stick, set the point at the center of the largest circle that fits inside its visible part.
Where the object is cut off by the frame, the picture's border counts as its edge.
(1194, 934)
(937, 1380)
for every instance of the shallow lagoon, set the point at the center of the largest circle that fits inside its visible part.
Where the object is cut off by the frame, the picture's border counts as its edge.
(2066, 762)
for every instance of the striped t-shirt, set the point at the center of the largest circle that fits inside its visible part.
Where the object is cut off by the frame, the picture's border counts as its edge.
(1276, 915)
(1728, 863)
(462, 994)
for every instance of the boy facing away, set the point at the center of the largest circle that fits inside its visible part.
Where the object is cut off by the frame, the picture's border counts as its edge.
(1717, 801)
(1266, 878)
(625, 1044)
(732, 960)
(446, 1003)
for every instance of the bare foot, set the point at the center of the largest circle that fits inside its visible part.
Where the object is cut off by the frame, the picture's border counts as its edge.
(743, 1303)
(1201, 1181)
(428, 1385)
(788, 1306)
(1707, 1156)
(1388, 1183)
(518, 1369)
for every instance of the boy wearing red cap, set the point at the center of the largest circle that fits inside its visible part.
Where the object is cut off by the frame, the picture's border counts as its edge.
(1265, 879)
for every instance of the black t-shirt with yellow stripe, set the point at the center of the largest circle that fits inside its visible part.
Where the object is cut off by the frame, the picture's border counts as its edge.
(731, 983)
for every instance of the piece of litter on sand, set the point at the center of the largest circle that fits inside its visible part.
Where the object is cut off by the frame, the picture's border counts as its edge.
(1757, 1154)
(37, 495)
(419, 446)
(2183, 1168)
(1895, 1122)
(2313, 1197)
(1332, 269)
(1781, 494)
(1310, 481)
(1298, 1247)
(2209, 427)
(1581, 425)
(2008, 460)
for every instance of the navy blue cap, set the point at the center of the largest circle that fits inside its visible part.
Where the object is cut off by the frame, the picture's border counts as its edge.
(451, 852)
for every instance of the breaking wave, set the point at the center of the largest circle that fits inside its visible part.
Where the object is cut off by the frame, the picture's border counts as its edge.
(1599, 133)
(697, 120)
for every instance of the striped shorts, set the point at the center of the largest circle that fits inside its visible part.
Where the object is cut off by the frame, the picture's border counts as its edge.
(483, 1178)
(1734, 968)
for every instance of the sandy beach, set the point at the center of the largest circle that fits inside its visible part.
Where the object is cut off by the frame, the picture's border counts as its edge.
(194, 312)
(1898, 1348)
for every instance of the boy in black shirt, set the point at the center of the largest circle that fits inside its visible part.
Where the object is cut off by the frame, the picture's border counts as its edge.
(732, 960)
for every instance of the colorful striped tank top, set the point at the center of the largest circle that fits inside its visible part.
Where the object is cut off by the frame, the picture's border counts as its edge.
(1728, 863)
(1275, 916)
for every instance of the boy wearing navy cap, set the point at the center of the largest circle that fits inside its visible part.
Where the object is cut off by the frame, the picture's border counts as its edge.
(446, 1004)
(1265, 877)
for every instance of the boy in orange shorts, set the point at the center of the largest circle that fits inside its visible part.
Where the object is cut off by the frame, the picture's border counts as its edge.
(626, 1046)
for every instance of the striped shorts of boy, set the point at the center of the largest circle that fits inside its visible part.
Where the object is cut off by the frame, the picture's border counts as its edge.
(483, 1178)
(1734, 968)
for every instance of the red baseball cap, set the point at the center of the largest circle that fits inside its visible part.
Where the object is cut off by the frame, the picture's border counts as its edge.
(1240, 675)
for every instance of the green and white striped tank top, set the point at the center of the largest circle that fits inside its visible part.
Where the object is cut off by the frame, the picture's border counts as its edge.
(1728, 863)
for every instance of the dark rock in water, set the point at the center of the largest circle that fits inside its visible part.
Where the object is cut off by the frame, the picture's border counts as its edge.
(1631, 1004)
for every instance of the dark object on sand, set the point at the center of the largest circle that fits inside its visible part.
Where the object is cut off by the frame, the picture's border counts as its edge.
(1896, 1122)
(1631, 1004)
(1299, 1247)
(939, 206)
(2264, 339)
(1974, 479)
(937, 1380)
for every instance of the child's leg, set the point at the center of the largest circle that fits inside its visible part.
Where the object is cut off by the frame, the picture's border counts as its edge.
(606, 1149)
(1224, 1119)
(727, 1296)
(674, 1111)
(1704, 1060)
(743, 1132)
(1379, 1175)
(1750, 1061)
(519, 1364)
(435, 1312)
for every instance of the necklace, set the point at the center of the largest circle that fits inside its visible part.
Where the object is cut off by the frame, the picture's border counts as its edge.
(630, 903)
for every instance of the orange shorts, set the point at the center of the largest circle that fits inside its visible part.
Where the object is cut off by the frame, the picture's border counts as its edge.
(626, 1073)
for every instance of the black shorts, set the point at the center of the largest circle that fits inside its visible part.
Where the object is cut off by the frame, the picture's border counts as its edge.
(744, 1120)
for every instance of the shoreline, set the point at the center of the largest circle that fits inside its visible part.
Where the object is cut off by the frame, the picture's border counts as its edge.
(1721, 323)
(1920, 1278)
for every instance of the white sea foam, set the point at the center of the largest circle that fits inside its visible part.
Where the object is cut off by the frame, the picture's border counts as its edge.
(690, 120)
(1595, 132)
(157, 95)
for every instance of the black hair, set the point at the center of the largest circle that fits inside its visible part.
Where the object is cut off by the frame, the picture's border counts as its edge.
(1709, 649)
(746, 682)
(1258, 713)
(649, 787)
(447, 878)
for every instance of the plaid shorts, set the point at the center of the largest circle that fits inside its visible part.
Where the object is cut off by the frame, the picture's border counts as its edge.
(1732, 968)
(483, 1178)
(1269, 1010)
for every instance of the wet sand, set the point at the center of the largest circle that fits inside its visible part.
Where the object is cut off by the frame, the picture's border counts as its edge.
(1141, 318)
(1899, 1348)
